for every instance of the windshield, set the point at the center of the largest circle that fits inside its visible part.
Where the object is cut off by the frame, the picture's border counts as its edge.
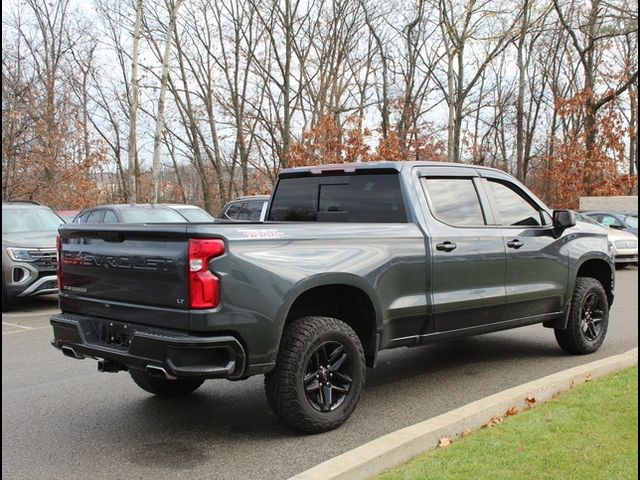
(23, 220)
(195, 215)
(151, 215)
(631, 221)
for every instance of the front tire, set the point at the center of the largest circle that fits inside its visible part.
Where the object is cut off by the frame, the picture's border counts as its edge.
(319, 374)
(588, 318)
(165, 388)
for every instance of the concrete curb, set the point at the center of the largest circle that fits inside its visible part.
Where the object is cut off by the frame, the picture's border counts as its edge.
(400, 446)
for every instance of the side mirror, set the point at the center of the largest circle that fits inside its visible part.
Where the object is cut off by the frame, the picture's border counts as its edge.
(564, 218)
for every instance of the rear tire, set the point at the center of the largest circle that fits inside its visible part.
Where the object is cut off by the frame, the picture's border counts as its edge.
(165, 388)
(319, 374)
(588, 318)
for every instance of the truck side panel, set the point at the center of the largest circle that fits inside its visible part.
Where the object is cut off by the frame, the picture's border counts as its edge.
(266, 267)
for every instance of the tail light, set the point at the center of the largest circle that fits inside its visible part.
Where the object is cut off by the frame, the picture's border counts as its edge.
(204, 286)
(59, 262)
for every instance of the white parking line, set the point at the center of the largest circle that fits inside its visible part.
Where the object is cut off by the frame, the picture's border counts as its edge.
(23, 331)
(32, 314)
(17, 326)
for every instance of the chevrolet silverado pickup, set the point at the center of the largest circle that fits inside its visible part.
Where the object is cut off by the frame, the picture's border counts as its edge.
(352, 259)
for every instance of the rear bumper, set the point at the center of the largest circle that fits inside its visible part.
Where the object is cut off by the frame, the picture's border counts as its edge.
(146, 348)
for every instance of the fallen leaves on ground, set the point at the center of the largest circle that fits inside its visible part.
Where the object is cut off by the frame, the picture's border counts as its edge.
(496, 420)
(587, 377)
(466, 432)
(444, 442)
(512, 411)
(531, 401)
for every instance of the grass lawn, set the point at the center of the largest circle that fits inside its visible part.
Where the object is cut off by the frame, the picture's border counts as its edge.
(590, 432)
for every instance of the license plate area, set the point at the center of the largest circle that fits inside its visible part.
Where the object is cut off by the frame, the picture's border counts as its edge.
(114, 334)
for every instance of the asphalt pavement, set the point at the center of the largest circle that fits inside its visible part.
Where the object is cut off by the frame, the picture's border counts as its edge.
(63, 419)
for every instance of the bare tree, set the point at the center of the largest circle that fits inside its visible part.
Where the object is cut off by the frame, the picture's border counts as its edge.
(164, 78)
(133, 106)
(594, 28)
(459, 29)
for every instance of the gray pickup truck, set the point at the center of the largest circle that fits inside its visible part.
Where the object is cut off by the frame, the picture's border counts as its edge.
(353, 259)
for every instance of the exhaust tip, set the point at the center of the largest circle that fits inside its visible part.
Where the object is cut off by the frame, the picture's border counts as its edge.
(160, 372)
(70, 352)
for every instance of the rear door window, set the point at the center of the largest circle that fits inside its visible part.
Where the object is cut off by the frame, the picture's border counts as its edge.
(110, 217)
(246, 211)
(95, 216)
(454, 201)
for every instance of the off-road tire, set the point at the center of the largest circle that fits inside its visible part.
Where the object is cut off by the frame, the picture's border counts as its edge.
(284, 385)
(573, 339)
(165, 388)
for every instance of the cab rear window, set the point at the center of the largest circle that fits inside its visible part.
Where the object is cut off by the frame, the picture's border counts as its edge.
(370, 198)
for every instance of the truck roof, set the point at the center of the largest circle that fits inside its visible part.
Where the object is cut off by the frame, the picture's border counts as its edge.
(385, 165)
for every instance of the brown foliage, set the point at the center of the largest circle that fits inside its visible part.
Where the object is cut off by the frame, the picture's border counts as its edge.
(574, 171)
(330, 142)
(49, 168)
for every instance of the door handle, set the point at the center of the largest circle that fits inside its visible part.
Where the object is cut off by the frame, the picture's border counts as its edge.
(446, 246)
(515, 243)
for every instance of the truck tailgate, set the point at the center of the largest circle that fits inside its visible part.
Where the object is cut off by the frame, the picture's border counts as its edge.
(135, 273)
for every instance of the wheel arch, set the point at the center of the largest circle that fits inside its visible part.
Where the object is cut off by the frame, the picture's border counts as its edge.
(598, 267)
(601, 270)
(345, 297)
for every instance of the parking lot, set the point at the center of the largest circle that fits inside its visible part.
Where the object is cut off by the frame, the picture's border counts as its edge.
(63, 419)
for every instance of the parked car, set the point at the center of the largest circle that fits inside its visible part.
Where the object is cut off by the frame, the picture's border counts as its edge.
(353, 259)
(29, 262)
(67, 215)
(192, 213)
(619, 221)
(624, 245)
(133, 213)
(245, 209)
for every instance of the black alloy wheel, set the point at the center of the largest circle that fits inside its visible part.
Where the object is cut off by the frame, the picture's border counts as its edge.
(592, 316)
(328, 377)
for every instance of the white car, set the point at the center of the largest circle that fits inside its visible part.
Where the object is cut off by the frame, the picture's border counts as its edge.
(624, 245)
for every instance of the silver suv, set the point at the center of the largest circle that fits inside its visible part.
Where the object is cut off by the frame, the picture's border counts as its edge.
(29, 258)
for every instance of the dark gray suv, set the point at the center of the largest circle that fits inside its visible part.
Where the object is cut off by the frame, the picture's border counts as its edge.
(29, 258)
(244, 209)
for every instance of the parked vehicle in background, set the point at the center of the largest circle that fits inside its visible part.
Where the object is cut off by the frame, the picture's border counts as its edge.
(619, 221)
(624, 245)
(354, 259)
(245, 209)
(29, 255)
(130, 213)
(67, 215)
(191, 212)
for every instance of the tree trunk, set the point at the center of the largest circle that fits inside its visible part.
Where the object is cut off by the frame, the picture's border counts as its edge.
(522, 72)
(157, 138)
(133, 107)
